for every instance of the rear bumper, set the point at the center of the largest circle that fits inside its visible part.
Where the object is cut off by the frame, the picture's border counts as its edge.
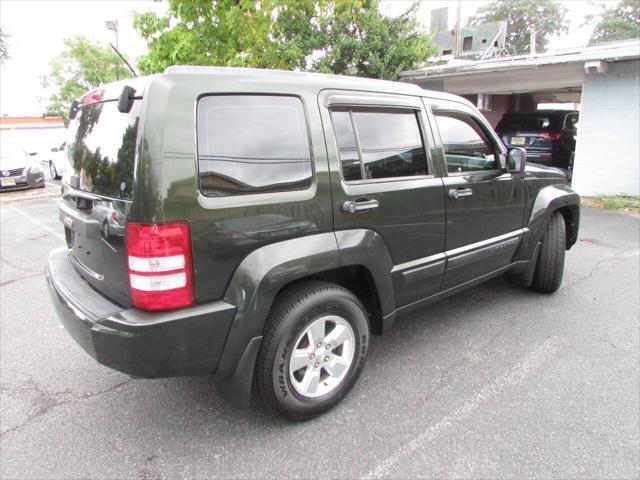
(141, 344)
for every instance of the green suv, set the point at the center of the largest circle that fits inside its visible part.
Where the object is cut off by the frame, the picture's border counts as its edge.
(261, 225)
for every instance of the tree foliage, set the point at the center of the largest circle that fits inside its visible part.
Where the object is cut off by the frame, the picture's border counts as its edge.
(546, 17)
(375, 46)
(4, 51)
(82, 65)
(344, 36)
(620, 22)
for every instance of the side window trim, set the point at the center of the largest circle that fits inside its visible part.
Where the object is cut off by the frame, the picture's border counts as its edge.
(372, 101)
(356, 138)
(417, 110)
(435, 109)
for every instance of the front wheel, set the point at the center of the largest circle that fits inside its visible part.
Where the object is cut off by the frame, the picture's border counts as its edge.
(54, 171)
(313, 349)
(550, 266)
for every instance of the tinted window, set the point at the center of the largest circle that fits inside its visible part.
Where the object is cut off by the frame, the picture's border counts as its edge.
(532, 122)
(571, 121)
(385, 143)
(102, 146)
(466, 146)
(252, 144)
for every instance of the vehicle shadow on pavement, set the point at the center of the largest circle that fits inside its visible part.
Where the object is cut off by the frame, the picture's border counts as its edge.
(201, 396)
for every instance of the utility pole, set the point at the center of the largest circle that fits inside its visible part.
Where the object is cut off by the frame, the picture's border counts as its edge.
(457, 39)
(532, 41)
(113, 26)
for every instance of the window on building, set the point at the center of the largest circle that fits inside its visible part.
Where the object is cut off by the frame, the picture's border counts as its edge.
(467, 43)
(252, 144)
(467, 147)
(379, 143)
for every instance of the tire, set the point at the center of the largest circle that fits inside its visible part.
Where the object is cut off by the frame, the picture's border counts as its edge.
(299, 315)
(548, 275)
(53, 171)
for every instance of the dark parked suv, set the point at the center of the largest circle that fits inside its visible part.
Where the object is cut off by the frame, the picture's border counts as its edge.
(260, 225)
(548, 136)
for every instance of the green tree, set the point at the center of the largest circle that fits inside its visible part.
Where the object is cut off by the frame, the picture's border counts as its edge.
(618, 23)
(546, 17)
(356, 37)
(344, 36)
(82, 66)
(4, 51)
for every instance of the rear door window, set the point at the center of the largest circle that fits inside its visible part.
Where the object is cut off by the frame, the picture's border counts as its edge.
(379, 143)
(252, 144)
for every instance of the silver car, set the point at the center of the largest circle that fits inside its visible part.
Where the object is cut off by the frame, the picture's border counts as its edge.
(18, 170)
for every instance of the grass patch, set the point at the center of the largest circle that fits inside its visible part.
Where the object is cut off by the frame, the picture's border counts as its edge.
(614, 202)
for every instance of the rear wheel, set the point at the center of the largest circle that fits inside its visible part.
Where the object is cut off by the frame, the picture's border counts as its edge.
(313, 350)
(550, 267)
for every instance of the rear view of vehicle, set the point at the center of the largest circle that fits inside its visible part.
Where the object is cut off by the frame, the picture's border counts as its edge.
(547, 135)
(18, 170)
(123, 262)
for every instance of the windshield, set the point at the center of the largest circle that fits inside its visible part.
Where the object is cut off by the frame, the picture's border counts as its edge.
(102, 145)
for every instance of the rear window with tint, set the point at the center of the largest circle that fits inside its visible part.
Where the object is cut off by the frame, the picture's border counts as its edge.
(530, 122)
(252, 144)
(102, 146)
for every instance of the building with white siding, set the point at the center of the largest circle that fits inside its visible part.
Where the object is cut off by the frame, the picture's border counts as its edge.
(604, 80)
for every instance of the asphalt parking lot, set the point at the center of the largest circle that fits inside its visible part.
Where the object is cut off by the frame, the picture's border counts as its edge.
(495, 382)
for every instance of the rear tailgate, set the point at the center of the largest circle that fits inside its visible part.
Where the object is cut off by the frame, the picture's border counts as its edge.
(98, 190)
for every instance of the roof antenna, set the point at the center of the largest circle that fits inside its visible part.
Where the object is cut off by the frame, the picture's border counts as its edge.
(123, 59)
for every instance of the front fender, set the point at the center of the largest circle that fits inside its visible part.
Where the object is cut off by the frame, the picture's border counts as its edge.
(549, 200)
(259, 278)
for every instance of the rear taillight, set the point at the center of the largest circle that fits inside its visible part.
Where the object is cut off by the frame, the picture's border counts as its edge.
(550, 135)
(159, 258)
(92, 97)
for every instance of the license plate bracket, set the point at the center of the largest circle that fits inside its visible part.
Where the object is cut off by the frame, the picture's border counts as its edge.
(518, 140)
(8, 182)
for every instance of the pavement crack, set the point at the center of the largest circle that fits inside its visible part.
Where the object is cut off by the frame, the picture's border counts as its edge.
(14, 280)
(624, 254)
(46, 401)
(18, 267)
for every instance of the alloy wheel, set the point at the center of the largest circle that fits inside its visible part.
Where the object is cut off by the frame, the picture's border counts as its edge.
(322, 356)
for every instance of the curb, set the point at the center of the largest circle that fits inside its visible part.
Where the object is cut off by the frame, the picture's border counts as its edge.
(26, 198)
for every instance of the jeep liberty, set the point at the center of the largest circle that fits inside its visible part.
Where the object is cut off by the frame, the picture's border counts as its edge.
(260, 225)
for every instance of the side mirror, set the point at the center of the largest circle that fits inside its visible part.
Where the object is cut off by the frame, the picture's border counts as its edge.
(73, 109)
(516, 159)
(126, 99)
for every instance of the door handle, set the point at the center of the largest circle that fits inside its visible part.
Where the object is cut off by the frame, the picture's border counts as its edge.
(359, 205)
(457, 194)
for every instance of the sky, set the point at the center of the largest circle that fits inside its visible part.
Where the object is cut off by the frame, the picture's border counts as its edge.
(37, 29)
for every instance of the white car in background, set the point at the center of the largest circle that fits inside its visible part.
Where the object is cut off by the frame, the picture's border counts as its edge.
(57, 160)
(18, 169)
